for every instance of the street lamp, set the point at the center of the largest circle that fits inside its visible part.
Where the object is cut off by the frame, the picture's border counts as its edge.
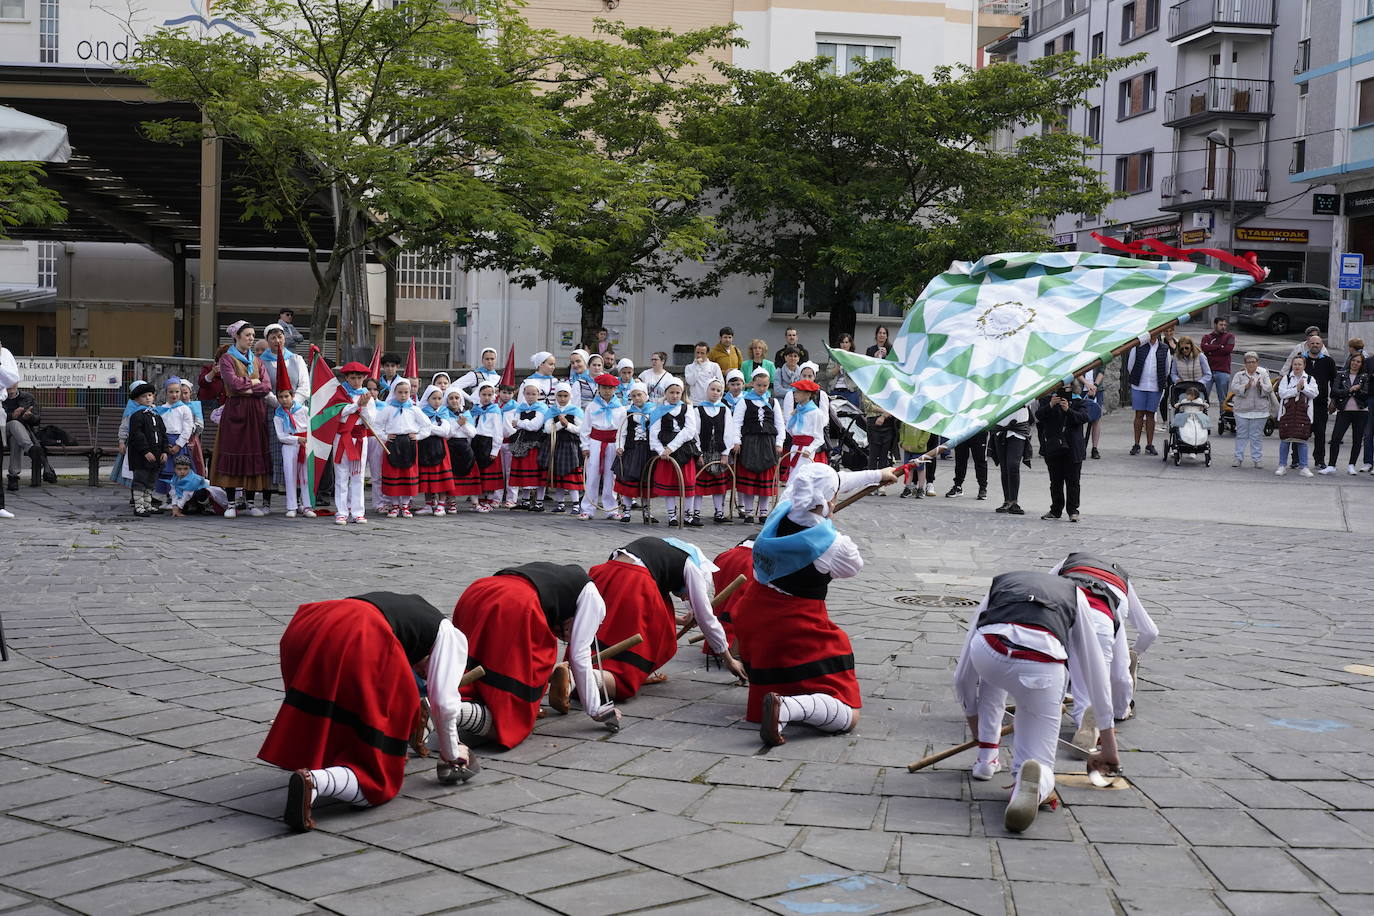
(1220, 139)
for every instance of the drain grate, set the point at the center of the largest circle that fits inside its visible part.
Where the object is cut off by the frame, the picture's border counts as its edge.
(935, 601)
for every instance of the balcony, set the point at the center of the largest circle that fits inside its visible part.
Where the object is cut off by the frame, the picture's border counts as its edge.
(1046, 14)
(1008, 43)
(1202, 189)
(1218, 97)
(1193, 16)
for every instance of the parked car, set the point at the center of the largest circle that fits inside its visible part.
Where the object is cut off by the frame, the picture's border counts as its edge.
(1280, 307)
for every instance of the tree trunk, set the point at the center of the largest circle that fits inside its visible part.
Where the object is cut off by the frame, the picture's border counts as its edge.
(593, 302)
(326, 291)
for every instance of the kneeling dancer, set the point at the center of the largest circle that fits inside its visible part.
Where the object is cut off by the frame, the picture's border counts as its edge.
(351, 698)
(513, 621)
(1029, 633)
(800, 665)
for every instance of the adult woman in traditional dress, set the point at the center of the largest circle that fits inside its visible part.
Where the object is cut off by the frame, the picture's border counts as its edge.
(242, 458)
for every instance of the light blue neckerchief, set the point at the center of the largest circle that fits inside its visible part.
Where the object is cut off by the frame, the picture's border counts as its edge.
(247, 359)
(776, 556)
(714, 407)
(604, 409)
(799, 413)
(289, 418)
(350, 390)
(692, 550)
(731, 401)
(663, 408)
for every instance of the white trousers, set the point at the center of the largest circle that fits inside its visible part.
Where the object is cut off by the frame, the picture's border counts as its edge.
(1117, 654)
(1038, 689)
(374, 469)
(599, 479)
(509, 494)
(348, 486)
(296, 482)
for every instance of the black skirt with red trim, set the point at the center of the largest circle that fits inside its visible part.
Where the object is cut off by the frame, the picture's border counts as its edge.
(634, 604)
(757, 468)
(350, 700)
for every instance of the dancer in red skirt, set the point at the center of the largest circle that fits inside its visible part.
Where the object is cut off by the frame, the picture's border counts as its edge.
(436, 474)
(800, 665)
(488, 434)
(731, 564)
(529, 448)
(715, 438)
(401, 425)
(758, 439)
(806, 425)
(513, 621)
(673, 433)
(638, 583)
(351, 702)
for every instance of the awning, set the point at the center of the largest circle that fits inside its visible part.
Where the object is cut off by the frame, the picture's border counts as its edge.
(27, 297)
(25, 138)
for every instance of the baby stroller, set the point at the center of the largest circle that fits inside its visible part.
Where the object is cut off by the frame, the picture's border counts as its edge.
(1226, 422)
(846, 437)
(1189, 424)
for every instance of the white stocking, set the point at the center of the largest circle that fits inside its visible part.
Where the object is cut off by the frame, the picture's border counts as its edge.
(818, 710)
(474, 719)
(340, 783)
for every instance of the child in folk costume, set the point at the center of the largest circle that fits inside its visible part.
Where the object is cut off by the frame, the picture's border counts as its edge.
(734, 389)
(673, 434)
(801, 666)
(467, 477)
(192, 493)
(758, 437)
(180, 424)
(605, 416)
(529, 447)
(147, 448)
(488, 434)
(715, 438)
(513, 621)
(436, 473)
(625, 371)
(486, 372)
(583, 382)
(379, 392)
(291, 422)
(564, 430)
(1108, 589)
(638, 583)
(351, 447)
(509, 497)
(806, 425)
(1031, 631)
(401, 424)
(542, 377)
(121, 473)
(632, 449)
(349, 670)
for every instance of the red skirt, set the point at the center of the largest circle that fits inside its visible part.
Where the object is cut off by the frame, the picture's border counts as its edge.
(470, 484)
(792, 648)
(574, 481)
(525, 470)
(436, 478)
(242, 456)
(713, 481)
(350, 697)
(756, 483)
(508, 636)
(634, 604)
(400, 482)
(737, 561)
(665, 479)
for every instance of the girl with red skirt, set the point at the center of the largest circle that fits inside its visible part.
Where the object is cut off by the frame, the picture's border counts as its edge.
(528, 448)
(401, 425)
(564, 433)
(467, 480)
(673, 433)
(758, 438)
(488, 435)
(436, 473)
(806, 425)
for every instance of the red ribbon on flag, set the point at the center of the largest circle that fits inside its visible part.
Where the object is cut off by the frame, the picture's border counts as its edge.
(1249, 262)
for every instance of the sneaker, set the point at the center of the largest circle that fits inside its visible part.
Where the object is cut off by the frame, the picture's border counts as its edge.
(1135, 449)
(1050, 515)
(267, 509)
(1025, 801)
(338, 519)
(439, 511)
(1283, 469)
(1085, 738)
(1095, 454)
(1350, 469)
(508, 504)
(426, 509)
(1326, 469)
(1014, 509)
(1003, 508)
(231, 512)
(930, 489)
(1259, 464)
(255, 512)
(918, 492)
(954, 492)
(906, 491)
(983, 770)
(1306, 472)
(309, 513)
(982, 493)
(1237, 463)
(359, 520)
(1150, 450)
(1073, 516)
(560, 508)
(5, 513)
(405, 513)
(290, 513)
(393, 512)
(1365, 468)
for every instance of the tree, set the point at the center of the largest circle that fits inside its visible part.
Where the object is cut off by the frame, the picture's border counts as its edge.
(625, 207)
(876, 180)
(23, 199)
(386, 121)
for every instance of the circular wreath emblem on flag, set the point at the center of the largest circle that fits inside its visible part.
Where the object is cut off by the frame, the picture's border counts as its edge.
(1005, 320)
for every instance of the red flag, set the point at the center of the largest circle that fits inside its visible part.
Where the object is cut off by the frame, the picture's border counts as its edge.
(412, 367)
(508, 373)
(374, 368)
(314, 352)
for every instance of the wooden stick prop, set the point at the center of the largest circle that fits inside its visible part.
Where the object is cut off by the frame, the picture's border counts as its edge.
(869, 491)
(942, 755)
(553, 441)
(362, 418)
(469, 677)
(613, 651)
(721, 597)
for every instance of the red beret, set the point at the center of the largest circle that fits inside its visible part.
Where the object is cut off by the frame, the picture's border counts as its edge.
(355, 366)
(805, 384)
(605, 378)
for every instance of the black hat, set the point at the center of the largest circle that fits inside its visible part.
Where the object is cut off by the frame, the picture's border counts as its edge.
(182, 461)
(140, 390)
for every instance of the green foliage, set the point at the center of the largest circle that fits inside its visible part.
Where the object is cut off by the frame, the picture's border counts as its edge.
(879, 178)
(24, 201)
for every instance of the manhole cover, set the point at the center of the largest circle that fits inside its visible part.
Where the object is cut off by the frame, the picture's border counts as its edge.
(935, 600)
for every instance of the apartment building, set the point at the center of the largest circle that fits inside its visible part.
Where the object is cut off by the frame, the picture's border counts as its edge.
(1198, 133)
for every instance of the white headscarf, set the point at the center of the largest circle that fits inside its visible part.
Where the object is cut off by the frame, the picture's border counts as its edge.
(453, 386)
(486, 350)
(562, 386)
(736, 374)
(624, 363)
(811, 486)
(538, 359)
(424, 398)
(582, 353)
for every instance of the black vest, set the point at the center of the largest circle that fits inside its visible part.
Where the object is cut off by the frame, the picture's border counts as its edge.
(413, 619)
(1033, 599)
(1082, 565)
(635, 430)
(671, 423)
(664, 562)
(558, 586)
(807, 582)
(758, 419)
(712, 435)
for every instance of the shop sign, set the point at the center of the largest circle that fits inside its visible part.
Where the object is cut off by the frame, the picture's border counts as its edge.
(1161, 231)
(1194, 236)
(1359, 203)
(1326, 204)
(1262, 234)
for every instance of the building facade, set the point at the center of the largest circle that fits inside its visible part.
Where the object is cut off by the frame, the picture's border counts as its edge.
(1197, 133)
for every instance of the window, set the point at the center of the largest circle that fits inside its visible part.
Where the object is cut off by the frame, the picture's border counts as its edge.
(1095, 124)
(1059, 123)
(419, 276)
(1299, 157)
(786, 290)
(47, 31)
(11, 9)
(47, 265)
(853, 52)
(1099, 45)
(1059, 45)
(433, 343)
(1134, 173)
(1136, 95)
(1138, 17)
(1366, 97)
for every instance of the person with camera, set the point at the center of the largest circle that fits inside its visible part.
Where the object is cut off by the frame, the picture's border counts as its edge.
(21, 421)
(1061, 417)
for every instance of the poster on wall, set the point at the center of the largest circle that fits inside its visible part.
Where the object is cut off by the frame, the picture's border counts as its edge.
(97, 33)
(50, 372)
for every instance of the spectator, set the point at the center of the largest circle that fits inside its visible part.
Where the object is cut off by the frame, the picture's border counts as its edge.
(700, 373)
(1218, 346)
(1252, 403)
(1350, 399)
(1322, 368)
(758, 359)
(725, 354)
(21, 419)
(790, 339)
(657, 377)
(975, 447)
(1298, 348)
(787, 373)
(881, 348)
(602, 343)
(241, 460)
(293, 338)
(1059, 421)
(9, 376)
(1147, 365)
(882, 435)
(1297, 391)
(210, 386)
(1010, 437)
(1352, 346)
(1094, 398)
(836, 379)
(1190, 365)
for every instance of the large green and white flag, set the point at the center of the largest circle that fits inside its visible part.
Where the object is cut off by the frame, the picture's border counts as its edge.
(987, 337)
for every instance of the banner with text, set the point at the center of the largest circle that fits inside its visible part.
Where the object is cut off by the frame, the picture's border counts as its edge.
(51, 372)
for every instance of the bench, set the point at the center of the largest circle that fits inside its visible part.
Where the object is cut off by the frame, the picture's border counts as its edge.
(89, 442)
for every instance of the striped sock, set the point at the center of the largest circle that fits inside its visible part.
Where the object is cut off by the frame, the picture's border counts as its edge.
(340, 783)
(818, 710)
(474, 719)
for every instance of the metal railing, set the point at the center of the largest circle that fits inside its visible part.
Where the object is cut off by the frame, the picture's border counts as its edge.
(1199, 185)
(1046, 14)
(1194, 15)
(1217, 96)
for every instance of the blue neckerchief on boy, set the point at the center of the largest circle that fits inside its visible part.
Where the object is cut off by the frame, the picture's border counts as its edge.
(622, 391)
(605, 410)
(350, 390)
(777, 555)
(288, 417)
(479, 411)
(247, 359)
(188, 484)
(798, 414)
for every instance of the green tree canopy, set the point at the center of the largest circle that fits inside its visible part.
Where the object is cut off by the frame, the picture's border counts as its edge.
(23, 199)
